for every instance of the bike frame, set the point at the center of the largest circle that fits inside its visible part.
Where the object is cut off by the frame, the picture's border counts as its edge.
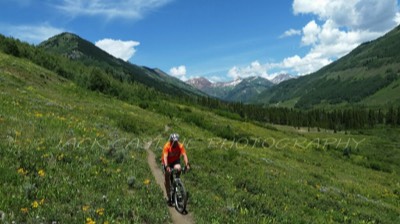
(177, 191)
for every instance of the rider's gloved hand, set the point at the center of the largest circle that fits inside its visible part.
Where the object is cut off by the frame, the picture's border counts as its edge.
(168, 169)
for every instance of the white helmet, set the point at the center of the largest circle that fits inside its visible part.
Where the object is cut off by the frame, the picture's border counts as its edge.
(174, 137)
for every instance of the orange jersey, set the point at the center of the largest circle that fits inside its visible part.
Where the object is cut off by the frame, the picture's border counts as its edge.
(173, 152)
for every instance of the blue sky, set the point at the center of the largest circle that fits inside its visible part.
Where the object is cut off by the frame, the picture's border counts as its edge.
(217, 39)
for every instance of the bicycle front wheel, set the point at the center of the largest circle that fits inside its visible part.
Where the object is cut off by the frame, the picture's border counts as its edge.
(180, 196)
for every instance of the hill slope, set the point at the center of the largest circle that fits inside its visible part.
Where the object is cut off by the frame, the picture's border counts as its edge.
(368, 73)
(69, 155)
(76, 48)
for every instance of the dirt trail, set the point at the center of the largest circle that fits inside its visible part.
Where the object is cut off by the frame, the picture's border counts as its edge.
(159, 176)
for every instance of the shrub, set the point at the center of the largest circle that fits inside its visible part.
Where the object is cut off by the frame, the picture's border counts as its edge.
(128, 124)
(98, 81)
(11, 48)
(144, 105)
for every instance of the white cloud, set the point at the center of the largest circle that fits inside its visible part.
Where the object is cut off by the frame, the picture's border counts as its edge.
(132, 9)
(305, 65)
(291, 32)
(118, 48)
(254, 69)
(310, 33)
(374, 15)
(179, 72)
(342, 25)
(397, 19)
(33, 34)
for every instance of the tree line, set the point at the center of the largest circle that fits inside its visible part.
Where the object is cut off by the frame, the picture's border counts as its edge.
(336, 119)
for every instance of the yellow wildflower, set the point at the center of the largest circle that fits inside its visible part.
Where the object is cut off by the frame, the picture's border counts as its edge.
(17, 133)
(60, 157)
(41, 202)
(37, 114)
(24, 210)
(146, 182)
(90, 221)
(22, 171)
(41, 173)
(100, 211)
(85, 208)
(35, 204)
(103, 160)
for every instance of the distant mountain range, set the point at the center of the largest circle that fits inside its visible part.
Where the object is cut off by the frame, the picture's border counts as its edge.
(367, 76)
(239, 90)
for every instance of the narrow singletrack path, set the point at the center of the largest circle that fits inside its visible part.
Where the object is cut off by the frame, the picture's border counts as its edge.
(177, 218)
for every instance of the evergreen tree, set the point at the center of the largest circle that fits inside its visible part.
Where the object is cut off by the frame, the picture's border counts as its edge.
(380, 117)
(398, 115)
(391, 116)
(371, 118)
(10, 47)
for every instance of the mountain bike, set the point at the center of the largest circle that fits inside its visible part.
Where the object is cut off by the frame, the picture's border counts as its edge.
(178, 192)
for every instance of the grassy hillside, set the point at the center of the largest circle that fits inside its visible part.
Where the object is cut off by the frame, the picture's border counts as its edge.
(368, 73)
(72, 155)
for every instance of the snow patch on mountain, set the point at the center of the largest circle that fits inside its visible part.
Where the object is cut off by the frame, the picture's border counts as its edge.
(227, 84)
(281, 77)
(199, 83)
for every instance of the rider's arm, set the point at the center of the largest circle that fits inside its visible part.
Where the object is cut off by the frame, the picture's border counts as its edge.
(165, 155)
(185, 158)
(165, 159)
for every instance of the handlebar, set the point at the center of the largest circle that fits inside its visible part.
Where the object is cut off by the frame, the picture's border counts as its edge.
(183, 169)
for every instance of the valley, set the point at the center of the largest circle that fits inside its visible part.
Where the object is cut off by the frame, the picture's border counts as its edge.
(74, 154)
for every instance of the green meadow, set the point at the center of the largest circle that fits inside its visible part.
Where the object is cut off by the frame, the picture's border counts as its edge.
(70, 155)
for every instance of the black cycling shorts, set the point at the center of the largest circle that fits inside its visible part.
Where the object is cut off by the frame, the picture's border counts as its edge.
(171, 165)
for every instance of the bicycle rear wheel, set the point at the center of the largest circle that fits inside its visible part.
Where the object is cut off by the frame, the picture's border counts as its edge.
(180, 196)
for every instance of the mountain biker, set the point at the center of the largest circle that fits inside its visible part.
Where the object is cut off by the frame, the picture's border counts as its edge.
(171, 158)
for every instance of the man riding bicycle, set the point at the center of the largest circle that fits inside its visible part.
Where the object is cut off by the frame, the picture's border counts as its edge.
(171, 159)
